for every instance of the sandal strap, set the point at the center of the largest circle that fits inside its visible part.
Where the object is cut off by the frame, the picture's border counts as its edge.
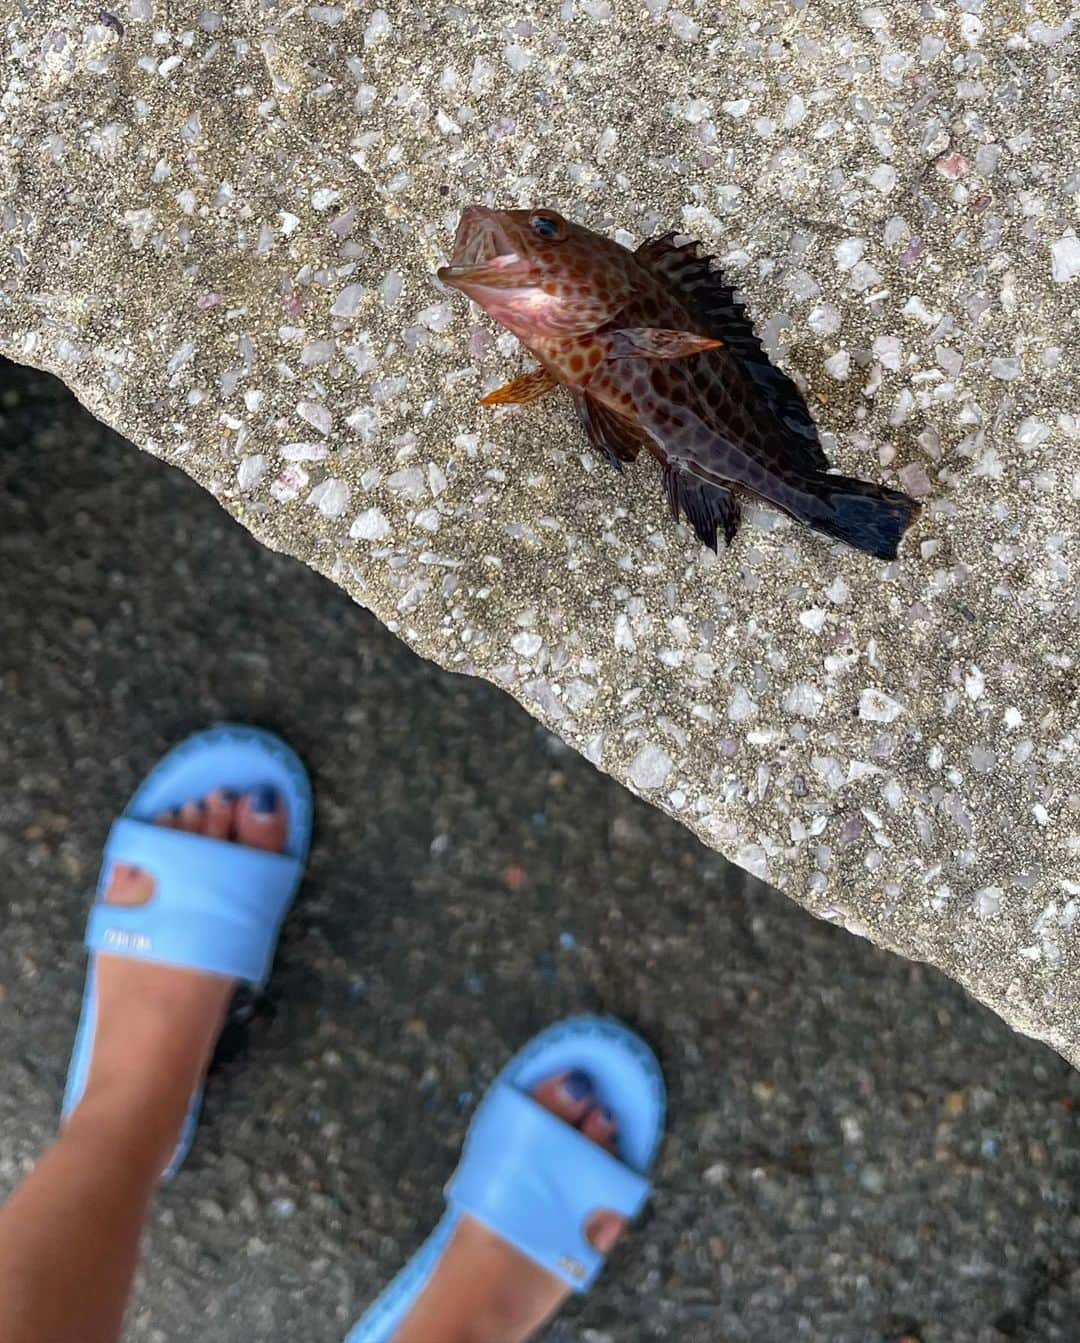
(535, 1180)
(217, 905)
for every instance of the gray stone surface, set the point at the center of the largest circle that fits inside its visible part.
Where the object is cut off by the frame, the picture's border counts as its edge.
(220, 228)
(857, 1152)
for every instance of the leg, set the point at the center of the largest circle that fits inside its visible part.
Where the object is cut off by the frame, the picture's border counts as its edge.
(69, 1235)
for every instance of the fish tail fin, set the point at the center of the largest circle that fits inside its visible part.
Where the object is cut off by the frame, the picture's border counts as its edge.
(864, 515)
(704, 505)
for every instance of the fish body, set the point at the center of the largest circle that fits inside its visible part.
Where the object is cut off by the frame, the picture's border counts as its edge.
(657, 353)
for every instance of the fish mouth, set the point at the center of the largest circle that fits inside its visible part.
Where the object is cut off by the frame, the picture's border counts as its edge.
(483, 254)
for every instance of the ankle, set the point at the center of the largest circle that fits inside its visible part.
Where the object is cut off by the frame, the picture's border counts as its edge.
(156, 1027)
(111, 1120)
(142, 1077)
(505, 1303)
(483, 1291)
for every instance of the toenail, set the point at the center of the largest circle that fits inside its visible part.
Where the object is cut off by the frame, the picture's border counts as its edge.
(577, 1085)
(263, 801)
(606, 1117)
(228, 794)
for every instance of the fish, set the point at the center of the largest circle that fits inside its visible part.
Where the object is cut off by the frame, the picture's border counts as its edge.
(657, 352)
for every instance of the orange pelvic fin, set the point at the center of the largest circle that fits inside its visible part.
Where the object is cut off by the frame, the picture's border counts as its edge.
(526, 388)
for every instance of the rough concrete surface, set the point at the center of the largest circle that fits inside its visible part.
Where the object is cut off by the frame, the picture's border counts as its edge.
(220, 228)
(857, 1152)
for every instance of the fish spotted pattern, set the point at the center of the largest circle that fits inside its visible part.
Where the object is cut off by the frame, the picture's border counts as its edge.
(657, 353)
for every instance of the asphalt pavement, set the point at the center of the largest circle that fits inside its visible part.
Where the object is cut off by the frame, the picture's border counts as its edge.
(856, 1153)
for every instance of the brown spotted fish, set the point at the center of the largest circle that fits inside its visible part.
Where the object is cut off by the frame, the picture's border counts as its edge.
(656, 352)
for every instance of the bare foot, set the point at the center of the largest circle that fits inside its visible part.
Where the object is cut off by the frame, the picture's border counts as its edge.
(485, 1291)
(157, 1024)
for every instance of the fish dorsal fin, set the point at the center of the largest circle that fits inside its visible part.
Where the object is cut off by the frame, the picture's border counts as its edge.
(712, 300)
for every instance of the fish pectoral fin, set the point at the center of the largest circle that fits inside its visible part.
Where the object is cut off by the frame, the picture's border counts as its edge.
(653, 342)
(526, 388)
(612, 437)
(704, 505)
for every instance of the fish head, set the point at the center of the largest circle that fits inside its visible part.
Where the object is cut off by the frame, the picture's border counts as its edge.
(537, 273)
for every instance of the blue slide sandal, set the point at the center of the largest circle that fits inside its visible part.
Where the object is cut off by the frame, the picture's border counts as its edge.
(533, 1178)
(217, 905)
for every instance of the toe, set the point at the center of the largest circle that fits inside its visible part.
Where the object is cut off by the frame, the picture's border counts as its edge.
(261, 820)
(604, 1228)
(190, 817)
(128, 885)
(219, 816)
(599, 1125)
(570, 1095)
(167, 819)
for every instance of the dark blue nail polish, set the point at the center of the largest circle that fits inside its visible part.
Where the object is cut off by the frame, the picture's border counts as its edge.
(228, 794)
(577, 1085)
(606, 1116)
(264, 801)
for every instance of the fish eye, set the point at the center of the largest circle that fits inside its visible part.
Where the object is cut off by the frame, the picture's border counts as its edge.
(548, 225)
